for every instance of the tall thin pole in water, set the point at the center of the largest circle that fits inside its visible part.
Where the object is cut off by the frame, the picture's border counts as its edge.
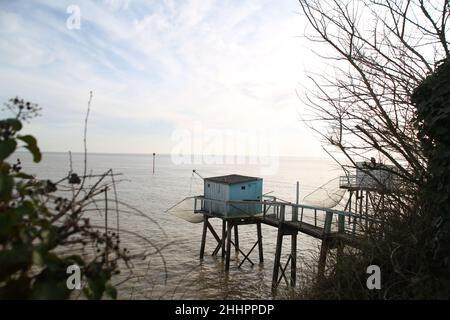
(154, 154)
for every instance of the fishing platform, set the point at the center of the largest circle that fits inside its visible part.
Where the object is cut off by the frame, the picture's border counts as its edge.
(238, 200)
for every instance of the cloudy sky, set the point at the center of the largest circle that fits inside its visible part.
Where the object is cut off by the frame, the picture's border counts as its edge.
(159, 71)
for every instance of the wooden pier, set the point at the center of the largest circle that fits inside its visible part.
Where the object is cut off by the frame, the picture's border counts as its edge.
(334, 228)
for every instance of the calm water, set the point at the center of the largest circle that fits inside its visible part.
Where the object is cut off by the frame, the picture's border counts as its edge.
(178, 272)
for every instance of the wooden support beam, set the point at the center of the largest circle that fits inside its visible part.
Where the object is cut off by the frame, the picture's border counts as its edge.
(276, 263)
(341, 223)
(224, 235)
(283, 272)
(228, 251)
(328, 222)
(205, 227)
(293, 260)
(339, 254)
(236, 238)
(219, 241)
(260, 244)
(213, 232)
(322, 260)
(325, 245)
(246, 256)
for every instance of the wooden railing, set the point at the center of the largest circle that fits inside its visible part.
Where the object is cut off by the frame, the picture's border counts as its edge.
(329, 220)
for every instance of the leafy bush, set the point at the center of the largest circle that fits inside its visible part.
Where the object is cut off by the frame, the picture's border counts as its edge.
(38, 225)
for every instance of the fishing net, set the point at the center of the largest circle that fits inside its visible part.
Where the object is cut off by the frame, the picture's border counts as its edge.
(185, 210)
(328, 195)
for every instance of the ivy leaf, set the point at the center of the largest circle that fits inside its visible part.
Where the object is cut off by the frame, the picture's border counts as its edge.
(24, 176)
(111, 291)
(6, 186)
(14, 123)
(31, 145)
(7, 147)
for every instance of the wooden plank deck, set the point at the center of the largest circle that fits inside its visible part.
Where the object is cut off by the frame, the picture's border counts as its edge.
(303, 227)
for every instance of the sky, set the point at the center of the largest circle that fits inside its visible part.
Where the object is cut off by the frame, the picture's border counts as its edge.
(194, 76)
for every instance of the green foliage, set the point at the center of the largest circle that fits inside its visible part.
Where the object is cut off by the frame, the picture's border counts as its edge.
(414, 254)
(432, 99)
(36, 225)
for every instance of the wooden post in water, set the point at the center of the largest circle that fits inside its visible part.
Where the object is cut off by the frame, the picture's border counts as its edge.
(106, 224)
(294, 241)
(205, 227)
(260, 245)
(325, 244)
(154, 154)
(276, 263)
(293, 259)
(228, 252)
(340, 245)
(224, 236)
(279, 246)
(297, 199)
(236, 239)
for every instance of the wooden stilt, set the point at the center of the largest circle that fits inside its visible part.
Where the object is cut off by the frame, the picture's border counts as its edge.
(276, 263)
(205, 227)
(293, 259)
(224, 235)
(325, 245)
(322, 260)
(236, 239)
(339, 254)
(216, 236)
(228, 251)
(260, 244)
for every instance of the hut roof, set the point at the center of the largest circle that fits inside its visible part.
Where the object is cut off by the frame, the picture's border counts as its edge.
(231, 179)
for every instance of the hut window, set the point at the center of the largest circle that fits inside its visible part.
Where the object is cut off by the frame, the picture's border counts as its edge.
(208, 185)
(243, 188)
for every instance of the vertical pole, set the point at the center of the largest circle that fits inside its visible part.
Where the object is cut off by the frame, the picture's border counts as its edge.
(205, 228)
(340, 245)
(367, 210)
(106, 211)
(276, 263)
(293, 260)
(236, 238)
(339, 253)
(328, 221)
(361, 197)
(106, 224)
(355, 213)
(260, 245)
(154, 154)
(228, 253)
(341, 223)
(350, 206)
(224, 236)
(297, 199)
(324, 247)
(322, 259)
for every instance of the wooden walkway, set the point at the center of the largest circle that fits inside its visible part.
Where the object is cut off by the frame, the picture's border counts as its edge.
(334, 228)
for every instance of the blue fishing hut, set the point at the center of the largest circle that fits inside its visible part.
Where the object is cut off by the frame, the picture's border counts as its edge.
(226, 195)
